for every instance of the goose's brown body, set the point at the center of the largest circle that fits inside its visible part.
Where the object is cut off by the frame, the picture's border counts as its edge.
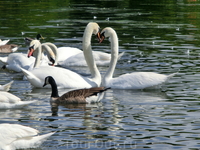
(76, 96)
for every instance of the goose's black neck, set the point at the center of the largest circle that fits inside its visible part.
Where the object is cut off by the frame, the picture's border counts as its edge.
(54, 88)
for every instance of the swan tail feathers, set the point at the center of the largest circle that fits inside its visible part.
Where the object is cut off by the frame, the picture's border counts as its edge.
(16, 48)
(27, 73)
(34, 142)
(3, 60)
(171, 75)
(6, 87)
(120, 55)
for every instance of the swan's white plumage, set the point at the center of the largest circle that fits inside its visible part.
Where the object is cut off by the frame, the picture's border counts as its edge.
(64, 77)
(15, 136)
(136, 80)
(6, 87)
(8, 101)
(3, 42)
(16, 61)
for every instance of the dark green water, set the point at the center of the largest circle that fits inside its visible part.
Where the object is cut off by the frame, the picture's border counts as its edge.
(156, 36)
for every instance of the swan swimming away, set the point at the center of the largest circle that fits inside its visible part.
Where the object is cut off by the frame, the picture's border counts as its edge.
(6, 87)
(135, 80)
(66, 78)
(16, 136)
(10, 101)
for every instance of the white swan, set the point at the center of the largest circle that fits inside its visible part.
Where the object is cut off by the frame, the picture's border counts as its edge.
(37, 49)
(69, 56)
(6, 87)
(16, 136)
(136, 80)
(16, 61)
(64, 77)
(8, 101)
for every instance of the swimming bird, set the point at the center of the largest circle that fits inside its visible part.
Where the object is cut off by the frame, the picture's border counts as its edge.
(76, 96)
(74, 80)
(28, 39)
(9, 48)
(9, 101)
(4, 42)
(6, 87)
(16, 136)
(135, 80)
(16, 61)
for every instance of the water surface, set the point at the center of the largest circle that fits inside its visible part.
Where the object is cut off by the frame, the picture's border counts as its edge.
(157, 36)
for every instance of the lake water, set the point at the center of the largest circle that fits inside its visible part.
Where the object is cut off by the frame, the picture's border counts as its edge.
(157, 36)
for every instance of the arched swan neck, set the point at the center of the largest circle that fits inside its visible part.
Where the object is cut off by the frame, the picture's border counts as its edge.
(53, 51)
(114, 55)
(88, 54)
(38, 57)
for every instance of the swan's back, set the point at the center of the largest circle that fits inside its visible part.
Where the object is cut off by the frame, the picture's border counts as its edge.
(138, 80)
(15, 136)
(64, 78)
(6, 97)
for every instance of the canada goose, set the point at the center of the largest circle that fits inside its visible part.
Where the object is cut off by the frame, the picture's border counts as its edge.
(16, 136)
(28, 39)
(75, 96)
(9, 48)
(6, 87)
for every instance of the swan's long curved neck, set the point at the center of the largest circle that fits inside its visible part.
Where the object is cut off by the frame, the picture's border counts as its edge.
(88, 55)
(51, 50)
(114, 56)
(38, 57)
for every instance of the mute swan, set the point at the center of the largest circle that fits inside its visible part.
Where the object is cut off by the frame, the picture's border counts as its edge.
(4, 42)
(136, 80)
(28, 39)
(9, 48)
(6, 87)
(64, 77)
(69, 56)
(49, 47)
(75, 96)
(16, 136)
(16, 61)
(8, 100)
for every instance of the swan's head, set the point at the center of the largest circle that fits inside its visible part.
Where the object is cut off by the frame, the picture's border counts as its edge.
(94, 26)
(33, 46)
(106, 32)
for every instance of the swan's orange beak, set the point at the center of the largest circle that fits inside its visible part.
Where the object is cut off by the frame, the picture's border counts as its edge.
(30, 52)
(100, 37)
